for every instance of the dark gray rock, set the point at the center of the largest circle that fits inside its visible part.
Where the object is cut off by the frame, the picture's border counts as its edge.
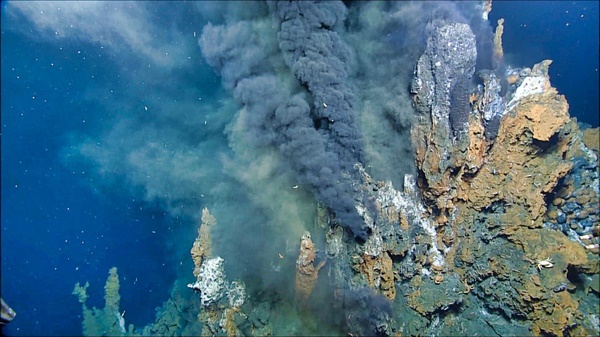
(444, 72)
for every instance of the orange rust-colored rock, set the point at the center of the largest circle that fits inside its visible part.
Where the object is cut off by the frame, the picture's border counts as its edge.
(520, 168)
(477, 144)
(539, 244)
(515, 169)
(551, 312)
(543, 115)
(202, 247)
(591, 139)
(522, 164)
(379, 273)
(306, 272)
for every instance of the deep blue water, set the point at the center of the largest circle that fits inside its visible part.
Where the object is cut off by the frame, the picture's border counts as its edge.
(563, 31)
(57, 228)
(60, 226)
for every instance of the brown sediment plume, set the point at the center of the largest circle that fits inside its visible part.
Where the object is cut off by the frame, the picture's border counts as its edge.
(202, 247)
(306, 272)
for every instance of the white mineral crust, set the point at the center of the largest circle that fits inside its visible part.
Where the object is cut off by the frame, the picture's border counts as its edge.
(236, 294)
(210, 281)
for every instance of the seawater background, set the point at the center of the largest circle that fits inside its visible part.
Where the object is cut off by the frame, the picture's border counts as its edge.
(60, 227)
(563, 31)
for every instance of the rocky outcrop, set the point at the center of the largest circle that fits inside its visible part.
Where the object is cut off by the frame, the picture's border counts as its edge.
(220, 300)
(473, 231)
(491, 192)
(496, 234)
(202, 247)
(306, 272)
(441, 96)
(107, 321)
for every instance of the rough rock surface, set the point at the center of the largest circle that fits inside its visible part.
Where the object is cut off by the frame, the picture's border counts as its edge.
(306, 271)
(492, 195)
(473, 233)
(202, 247)
(211, 281)
(496, 234)
(220, 300)
(442, 101)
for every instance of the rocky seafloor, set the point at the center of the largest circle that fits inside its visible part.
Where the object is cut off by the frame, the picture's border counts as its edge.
(496, 234)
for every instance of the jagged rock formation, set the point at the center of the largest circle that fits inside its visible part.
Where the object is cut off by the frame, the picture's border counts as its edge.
(220, 300)
(439, 89)
(306, 272)
(202, 247)
(178, 316)
(108, 321)
(493, 191)
(473, 231)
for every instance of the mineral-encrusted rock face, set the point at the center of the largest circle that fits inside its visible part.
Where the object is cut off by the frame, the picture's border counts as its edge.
(441, 95)
(474, 232)
(442, 76)
(211, 281)
(401, 230)
(306, 271)
(220, 300)
(492, 195)
(202, 247)
(521, 161)
(574, 208)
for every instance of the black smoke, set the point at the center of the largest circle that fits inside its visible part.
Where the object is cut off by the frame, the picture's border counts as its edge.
(321, 60)
(367, 313)
(280, 111)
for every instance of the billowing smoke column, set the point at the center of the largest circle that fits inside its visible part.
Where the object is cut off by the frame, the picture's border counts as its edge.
(318, 143)
(320, 59)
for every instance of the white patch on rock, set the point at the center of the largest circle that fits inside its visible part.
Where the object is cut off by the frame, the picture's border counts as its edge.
(210, 281)
(530, 86)
(410, 204)
(236, 294)
(374, 245)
